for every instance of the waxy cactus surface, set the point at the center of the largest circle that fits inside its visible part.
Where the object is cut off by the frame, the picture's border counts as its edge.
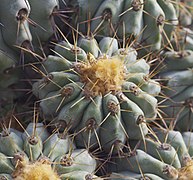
(177, 79)
(164, 155)
(87, 69)
(149, 21)
(36, 154)
(99, 91)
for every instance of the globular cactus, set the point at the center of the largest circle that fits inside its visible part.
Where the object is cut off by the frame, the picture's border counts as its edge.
(177, 79)
(165, 155)
(36, 154)
(149, 21)
(100, 92)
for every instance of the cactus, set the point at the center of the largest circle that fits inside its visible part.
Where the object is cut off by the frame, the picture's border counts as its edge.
(43, 15)
(140, 19)
(134, 176)
(185, 12)
(17, 20)
(99, 91)
(8, 61)
(36, 154)
(10, 74)
(183, 39)
(28, 25)
(163, 155)
(15, 30)
(177, 78)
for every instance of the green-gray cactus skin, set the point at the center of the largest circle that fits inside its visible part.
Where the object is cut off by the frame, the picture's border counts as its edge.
(133, 176)
(166, 154)
(104, 114)
(42, 13)
(176, 140)
(141, 162)
(36, 146)
(187, 136)
(15, 29)
(170, 16)
(185, 12)
(149, 21)
(8, 62)
(79, 175)
(183, 39)
(10, 74)
(177, 79)
(28, 25)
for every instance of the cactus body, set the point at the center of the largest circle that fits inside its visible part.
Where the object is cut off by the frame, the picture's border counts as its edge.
(42, 15)
(100, 95)
(15, 30)
(35, 154)
(177, 77)
(140, 19)
(166, 153)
